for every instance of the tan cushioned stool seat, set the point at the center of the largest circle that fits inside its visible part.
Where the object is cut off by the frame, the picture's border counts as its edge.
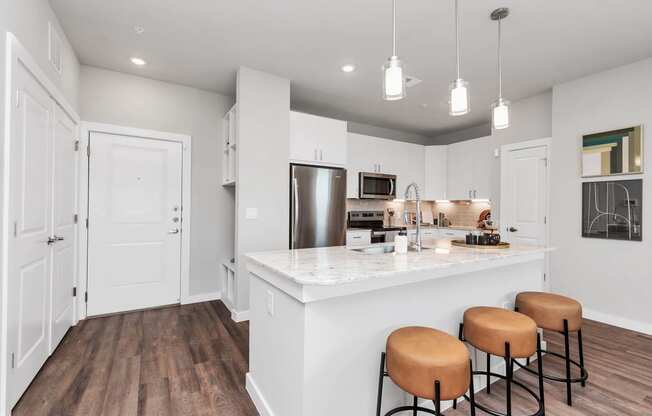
(549, 310)
(490, 328)
(417, 356)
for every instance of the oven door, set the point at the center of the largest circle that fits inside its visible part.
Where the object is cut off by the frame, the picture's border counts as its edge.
(377, 186)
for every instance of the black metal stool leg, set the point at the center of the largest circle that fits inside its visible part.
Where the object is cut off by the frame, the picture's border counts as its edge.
(454, 403)
(472, 390)
(540, 368)
(416, 403)
(569, 399)
(581, 347)
(380, 383)
(488, 373)
(508, 380)
(437, 398)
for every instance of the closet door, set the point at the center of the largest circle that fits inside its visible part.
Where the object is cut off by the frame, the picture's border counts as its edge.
(64, 227)
(30, 253)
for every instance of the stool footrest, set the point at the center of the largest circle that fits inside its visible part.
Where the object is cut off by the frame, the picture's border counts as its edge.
(583, 376)
(539, 412)
(411, 408)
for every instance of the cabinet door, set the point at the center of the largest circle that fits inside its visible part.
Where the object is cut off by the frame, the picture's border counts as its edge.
(482, 168)
(436, 167)
(317, 139)
(303, 139)
(409, 162)
(459, 176)
(363, 154)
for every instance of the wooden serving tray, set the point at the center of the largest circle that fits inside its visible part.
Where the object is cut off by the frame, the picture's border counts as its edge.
(462, 243)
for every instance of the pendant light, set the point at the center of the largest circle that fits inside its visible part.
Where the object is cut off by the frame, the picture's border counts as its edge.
(393, 79)
(500, 107)
(459, 89)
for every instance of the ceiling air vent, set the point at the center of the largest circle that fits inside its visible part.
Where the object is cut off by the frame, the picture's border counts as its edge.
(411, 81)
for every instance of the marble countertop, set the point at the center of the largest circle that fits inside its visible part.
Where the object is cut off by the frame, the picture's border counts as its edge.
(341, 265)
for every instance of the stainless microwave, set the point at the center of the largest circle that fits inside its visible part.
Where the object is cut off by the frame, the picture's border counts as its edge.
(377, 186)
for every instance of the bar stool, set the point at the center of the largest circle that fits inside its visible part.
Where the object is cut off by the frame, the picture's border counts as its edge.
(507, 334)
(561, 314)
(426, 363)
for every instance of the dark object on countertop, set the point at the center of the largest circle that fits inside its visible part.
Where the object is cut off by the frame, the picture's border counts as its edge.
(482, 240)
(493, 239)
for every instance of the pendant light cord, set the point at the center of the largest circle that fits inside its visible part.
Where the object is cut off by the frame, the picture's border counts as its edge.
(393, 27)
(500, 60)
(457, 36)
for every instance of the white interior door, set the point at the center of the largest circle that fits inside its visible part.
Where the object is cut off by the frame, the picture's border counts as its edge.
(31, 219)
(64, 259)
(524, 188)
(135, 230)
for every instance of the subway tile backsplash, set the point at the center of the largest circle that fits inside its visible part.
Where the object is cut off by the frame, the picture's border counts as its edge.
(459, 213)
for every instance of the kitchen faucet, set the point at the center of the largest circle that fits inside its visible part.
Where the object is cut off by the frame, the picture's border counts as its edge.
(417, 243)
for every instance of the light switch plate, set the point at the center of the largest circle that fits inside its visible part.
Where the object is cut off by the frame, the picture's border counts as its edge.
(251, 213)
(270, 303)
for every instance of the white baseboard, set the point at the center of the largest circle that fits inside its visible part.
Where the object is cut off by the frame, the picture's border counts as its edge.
(638, 326)
(240, 316)
(201, 297)
(259, 401)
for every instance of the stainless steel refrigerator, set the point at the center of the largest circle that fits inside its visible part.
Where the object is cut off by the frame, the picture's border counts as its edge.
(317, 206)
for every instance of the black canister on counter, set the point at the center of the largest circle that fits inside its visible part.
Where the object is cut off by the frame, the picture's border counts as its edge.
(469, 238)
(482, 240)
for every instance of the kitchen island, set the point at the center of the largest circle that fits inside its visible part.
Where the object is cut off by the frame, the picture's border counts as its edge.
(319, 318)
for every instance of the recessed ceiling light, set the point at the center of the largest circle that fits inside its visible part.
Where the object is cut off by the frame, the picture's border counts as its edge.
(139, 30)
(348, 68)
(138, 61)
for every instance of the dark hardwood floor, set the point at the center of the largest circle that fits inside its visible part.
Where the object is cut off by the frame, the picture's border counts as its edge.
(191, 360)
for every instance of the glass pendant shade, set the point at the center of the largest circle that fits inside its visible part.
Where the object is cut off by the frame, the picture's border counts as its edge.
(459, 98)
(393, 80)
(500, 114)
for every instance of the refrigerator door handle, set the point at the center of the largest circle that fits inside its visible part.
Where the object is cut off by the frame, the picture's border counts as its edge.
(295, 217)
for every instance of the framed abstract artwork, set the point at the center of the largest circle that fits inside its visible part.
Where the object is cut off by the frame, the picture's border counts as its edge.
(613, 210)
(617, 152)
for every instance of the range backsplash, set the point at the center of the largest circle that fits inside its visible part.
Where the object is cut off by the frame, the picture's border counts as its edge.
(459, 213)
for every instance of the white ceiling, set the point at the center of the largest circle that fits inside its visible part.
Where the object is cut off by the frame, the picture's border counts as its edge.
(201, 43)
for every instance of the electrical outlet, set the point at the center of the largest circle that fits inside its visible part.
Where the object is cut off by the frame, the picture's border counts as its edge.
(270, 303)
(251, 213)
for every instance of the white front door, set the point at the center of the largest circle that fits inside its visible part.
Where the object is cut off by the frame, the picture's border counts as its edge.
(64, 257)
(524, 195)
(134, 242)
(30, 229)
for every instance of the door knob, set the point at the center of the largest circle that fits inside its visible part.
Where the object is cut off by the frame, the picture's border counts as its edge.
(57, 238)
(512, 229)
(174, 231)
(51, 241)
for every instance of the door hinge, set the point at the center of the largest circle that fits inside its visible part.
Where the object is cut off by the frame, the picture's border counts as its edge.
(86, 222)
(88, 151)
(74, 292)
(76, 145)
(13, 360)
(86, 297)
(545, 220)
(75, 218)
(15, 228)
(545, 277)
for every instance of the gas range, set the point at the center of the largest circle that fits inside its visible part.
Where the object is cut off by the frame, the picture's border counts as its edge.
(374, 221)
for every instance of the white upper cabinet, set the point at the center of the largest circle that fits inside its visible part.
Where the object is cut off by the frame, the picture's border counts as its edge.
(376, 155)
(317, 140)
(436, 172)
(469, 170)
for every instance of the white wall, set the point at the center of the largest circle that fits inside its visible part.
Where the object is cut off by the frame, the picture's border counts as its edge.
(28, 21)
(263, 169)
(127, 100)
(613, 279)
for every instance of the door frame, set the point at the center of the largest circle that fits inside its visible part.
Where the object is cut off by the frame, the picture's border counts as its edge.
(529, 144)
(87, 128)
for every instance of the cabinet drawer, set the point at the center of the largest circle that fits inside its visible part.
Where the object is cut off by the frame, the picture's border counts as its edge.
(357, 238)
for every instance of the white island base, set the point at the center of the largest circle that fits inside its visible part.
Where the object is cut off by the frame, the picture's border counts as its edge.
(315, 346)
